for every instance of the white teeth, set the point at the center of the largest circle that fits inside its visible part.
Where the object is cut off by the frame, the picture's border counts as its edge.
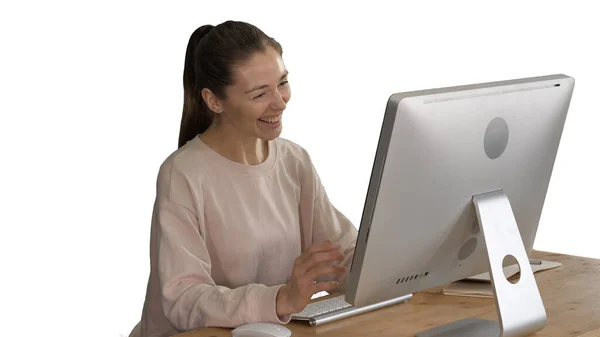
(271, 119)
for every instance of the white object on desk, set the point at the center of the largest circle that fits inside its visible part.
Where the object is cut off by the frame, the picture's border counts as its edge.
(261, 330)
(480, 286)
(336, 308)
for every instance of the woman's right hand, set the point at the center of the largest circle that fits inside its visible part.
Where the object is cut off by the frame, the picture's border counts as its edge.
(315, 262)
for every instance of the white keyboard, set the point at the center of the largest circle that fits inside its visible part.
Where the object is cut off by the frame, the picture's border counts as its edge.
(336, 308)
(325, 306)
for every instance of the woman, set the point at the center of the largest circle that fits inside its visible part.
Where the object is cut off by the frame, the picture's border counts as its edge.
(242, 229)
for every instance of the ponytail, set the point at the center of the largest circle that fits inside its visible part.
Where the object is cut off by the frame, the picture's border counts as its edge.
(211, 55)
(196, 116)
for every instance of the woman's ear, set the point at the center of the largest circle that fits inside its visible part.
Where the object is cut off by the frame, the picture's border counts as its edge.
(212, 101)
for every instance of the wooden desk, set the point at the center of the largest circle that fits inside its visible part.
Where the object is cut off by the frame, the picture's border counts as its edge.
(595, 333)
(571, 295)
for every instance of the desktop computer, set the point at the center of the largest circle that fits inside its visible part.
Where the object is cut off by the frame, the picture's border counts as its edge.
(457, 189)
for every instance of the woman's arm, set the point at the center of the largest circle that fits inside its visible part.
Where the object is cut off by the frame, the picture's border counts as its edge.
(190, 297)
(322, 221)
(330, 224)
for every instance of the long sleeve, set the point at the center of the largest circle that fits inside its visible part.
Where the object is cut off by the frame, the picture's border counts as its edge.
(322, 221)
(225, 236)
(189, 296)
(330, 224)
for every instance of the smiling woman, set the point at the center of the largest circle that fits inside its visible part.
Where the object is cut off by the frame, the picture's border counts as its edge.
(242, 228)
(235, 89)
(251, 108)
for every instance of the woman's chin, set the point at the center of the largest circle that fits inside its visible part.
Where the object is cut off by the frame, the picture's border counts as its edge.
(270, 134)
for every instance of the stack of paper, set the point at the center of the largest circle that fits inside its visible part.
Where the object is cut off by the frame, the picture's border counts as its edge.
(480, 286)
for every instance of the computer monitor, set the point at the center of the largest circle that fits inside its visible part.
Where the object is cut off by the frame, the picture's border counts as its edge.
(458, 184)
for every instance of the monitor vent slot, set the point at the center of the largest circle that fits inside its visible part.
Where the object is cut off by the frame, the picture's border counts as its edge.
(411, 278)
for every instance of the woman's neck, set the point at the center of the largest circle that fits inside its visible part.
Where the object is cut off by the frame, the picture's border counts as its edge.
(244, 150)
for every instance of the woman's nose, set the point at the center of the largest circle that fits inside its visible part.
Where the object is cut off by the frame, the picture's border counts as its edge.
(278, 102)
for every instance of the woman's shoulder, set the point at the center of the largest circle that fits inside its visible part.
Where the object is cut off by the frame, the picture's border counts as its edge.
(184, 161)
(297, 159)
(292, 151)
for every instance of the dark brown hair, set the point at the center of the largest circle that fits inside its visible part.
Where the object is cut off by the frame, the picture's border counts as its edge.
(211, 53)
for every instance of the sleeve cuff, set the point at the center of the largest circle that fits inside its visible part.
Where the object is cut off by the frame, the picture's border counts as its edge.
(267, 306)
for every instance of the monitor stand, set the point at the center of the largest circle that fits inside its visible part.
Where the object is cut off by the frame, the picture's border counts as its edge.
(519, 306)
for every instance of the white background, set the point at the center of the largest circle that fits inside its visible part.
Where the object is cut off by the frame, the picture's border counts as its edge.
(91, 98)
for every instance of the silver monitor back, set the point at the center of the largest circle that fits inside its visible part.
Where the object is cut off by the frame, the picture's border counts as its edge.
(438, 149)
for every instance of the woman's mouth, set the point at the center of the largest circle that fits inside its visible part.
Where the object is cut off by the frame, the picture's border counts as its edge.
(270, 120)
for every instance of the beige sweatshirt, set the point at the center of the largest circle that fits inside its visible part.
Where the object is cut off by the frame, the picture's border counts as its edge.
(224, 236)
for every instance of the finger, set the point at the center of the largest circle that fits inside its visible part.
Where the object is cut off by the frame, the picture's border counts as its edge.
(323, 270)
(326, 246)
(317, 258)
(324, 286)
(322, 247)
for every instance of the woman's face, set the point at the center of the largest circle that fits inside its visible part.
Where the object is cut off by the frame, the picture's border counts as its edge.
(255, 102)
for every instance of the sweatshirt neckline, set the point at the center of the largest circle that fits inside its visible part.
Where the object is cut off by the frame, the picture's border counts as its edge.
(239, 168)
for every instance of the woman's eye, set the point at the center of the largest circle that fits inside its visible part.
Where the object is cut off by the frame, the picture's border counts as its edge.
(262, 94)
